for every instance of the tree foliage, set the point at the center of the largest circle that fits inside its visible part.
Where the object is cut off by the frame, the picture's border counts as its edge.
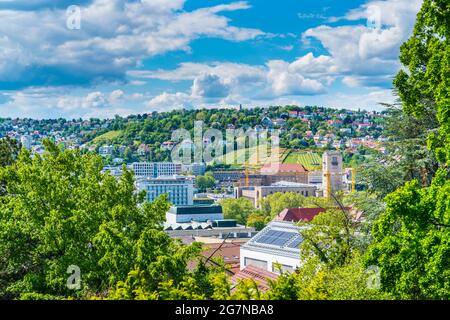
(61, 210)
(239, 209)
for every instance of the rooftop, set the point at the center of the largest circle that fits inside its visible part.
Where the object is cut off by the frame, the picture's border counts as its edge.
(298, 214)
(278, 238)
(290, 184)
(260, 276)
(275, 168)
(196, 209)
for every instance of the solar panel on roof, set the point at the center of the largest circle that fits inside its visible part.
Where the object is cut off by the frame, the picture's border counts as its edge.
(277, 238)
(296, 243)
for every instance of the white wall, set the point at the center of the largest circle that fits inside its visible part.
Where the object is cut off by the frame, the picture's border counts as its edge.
(270, 258)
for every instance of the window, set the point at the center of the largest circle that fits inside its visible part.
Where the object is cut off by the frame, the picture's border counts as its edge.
(276, 267)
(334, 161)
(255, 262)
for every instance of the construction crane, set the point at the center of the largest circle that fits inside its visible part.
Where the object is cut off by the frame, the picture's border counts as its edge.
(353, 180)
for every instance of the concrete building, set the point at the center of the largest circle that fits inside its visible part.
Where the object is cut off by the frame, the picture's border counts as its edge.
(156, 169)
(331, 172)
(180, 189)
(273, 173)
(198, 213)
(197, 169)
(274, 247)
(218, 229)
(228, 177)
(256, 193)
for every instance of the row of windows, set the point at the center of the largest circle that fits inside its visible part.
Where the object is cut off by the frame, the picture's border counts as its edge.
(262, 264)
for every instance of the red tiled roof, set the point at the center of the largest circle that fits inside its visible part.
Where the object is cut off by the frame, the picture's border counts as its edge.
(300, 214)
(259, 275)
(272, 168)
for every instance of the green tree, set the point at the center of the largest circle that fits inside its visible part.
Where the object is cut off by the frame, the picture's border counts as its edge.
(205, 182)
(277, 202)
(256, 220)
(411, 241)
(239, 209)
(425, 87)
(411, 238)
(9, 150)
(60, 210)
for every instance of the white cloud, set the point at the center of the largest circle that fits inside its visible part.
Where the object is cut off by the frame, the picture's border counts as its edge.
(285, 81)
(169, 101)
(116, 95)
(210, 86)
(365, 55)
(115, 36)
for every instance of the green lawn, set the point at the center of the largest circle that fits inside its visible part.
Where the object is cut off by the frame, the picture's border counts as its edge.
(250, 154)
(311, 160)
(107, 136)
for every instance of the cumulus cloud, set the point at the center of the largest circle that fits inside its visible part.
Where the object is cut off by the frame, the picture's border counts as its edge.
(210, 86)
(168, 101)
(115, 36)
(364, 54)
(285, 81)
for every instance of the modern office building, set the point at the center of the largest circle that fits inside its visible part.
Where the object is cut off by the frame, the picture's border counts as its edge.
(273, 248)
(180, 189)
(156, 169)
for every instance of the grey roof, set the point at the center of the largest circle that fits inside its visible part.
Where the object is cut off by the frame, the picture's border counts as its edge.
(196, 209)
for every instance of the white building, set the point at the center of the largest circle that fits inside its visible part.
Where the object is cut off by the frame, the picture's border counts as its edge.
(332, 172)
(180, 189)
(105, 151)
(26, 141)
(198, 213)
(156, 169)
(277, 245)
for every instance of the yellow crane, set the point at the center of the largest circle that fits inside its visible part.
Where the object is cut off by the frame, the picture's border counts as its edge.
(353, 179)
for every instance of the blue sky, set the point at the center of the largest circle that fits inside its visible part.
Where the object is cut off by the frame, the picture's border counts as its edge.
(128, 57)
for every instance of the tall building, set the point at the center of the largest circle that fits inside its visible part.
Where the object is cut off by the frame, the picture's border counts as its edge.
(180, 189)
(26, 141)
(331, 172)
(156, 169)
